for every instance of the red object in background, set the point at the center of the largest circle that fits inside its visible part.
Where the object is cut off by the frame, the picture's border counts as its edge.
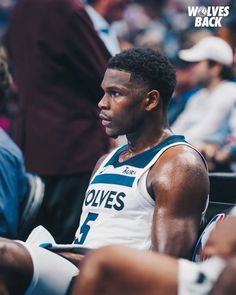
(4, 123)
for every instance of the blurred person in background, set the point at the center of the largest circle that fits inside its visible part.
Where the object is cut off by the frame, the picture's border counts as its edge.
(59, 62)
(13, 181)
(186, 86)
(184, 90)
(8, 102)
(228, 32)
(150, 28)
(13, 185)
(220, 148)
(207, 113)
(5, 85)
(5, 7)
(103, 13)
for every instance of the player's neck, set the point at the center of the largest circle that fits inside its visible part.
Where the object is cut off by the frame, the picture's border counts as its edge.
(139, 142)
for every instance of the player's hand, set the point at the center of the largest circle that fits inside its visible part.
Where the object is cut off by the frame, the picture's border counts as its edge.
(73, 257)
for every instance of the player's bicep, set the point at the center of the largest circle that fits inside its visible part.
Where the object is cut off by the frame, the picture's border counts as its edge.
(180, 182)
(180, 187)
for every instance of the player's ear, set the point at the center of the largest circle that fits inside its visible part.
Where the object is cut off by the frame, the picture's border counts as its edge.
(152, 100)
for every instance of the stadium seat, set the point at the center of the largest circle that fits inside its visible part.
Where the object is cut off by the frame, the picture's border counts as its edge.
(31, 205)
(222, 193)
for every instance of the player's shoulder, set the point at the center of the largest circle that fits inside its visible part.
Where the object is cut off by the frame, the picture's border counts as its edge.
(183, 154)
(180, 161)
(180, 171)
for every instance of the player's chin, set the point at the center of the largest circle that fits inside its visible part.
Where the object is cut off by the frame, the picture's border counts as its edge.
(112, 135)
(112, 132)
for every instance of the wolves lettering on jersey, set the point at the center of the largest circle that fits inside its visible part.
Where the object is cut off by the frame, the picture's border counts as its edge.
(111, 199)
(107, 199)
(117, 208)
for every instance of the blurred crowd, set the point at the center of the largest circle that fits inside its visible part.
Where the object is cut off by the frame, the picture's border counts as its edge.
(203, 107)
(53, 56)
(162, 25)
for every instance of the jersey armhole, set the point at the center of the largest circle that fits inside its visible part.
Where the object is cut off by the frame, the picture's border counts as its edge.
(142, 181)
(104, 162)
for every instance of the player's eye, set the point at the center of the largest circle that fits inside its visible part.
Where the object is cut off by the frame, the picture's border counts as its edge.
(114, 93)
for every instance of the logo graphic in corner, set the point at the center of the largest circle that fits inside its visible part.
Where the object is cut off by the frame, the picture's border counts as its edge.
(204, 236)
(208, 16)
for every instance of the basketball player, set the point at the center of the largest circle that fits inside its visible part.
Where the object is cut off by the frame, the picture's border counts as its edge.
(148, 194)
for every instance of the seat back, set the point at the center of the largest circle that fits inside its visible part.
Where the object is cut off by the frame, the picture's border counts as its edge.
(222, 194)
(30, 205)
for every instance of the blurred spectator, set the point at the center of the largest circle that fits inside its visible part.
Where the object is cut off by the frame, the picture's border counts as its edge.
(13, 182)
(5, 6)
(228, 31)
(59, 63)
(221, 156)
(154, 33)
(183, 91)
(4, 91)
(8, 98)
(103, 13)
(186, 86)
(13, 185)
(209, 109)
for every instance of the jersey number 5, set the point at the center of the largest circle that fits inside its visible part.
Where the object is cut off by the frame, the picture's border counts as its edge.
(85, 227)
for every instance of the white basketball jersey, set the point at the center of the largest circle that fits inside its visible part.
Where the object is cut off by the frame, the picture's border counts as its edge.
(118, 208)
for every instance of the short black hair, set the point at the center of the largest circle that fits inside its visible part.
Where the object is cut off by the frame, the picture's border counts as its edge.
(148, 66)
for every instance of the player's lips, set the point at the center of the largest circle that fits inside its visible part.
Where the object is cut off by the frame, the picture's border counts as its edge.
(105, 120)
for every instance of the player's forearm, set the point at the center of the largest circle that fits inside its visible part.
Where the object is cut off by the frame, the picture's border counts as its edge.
(175, 240)
(119, 270)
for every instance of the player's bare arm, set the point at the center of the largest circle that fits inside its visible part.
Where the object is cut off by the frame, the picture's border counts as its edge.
(179, 183)
(116, 270)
